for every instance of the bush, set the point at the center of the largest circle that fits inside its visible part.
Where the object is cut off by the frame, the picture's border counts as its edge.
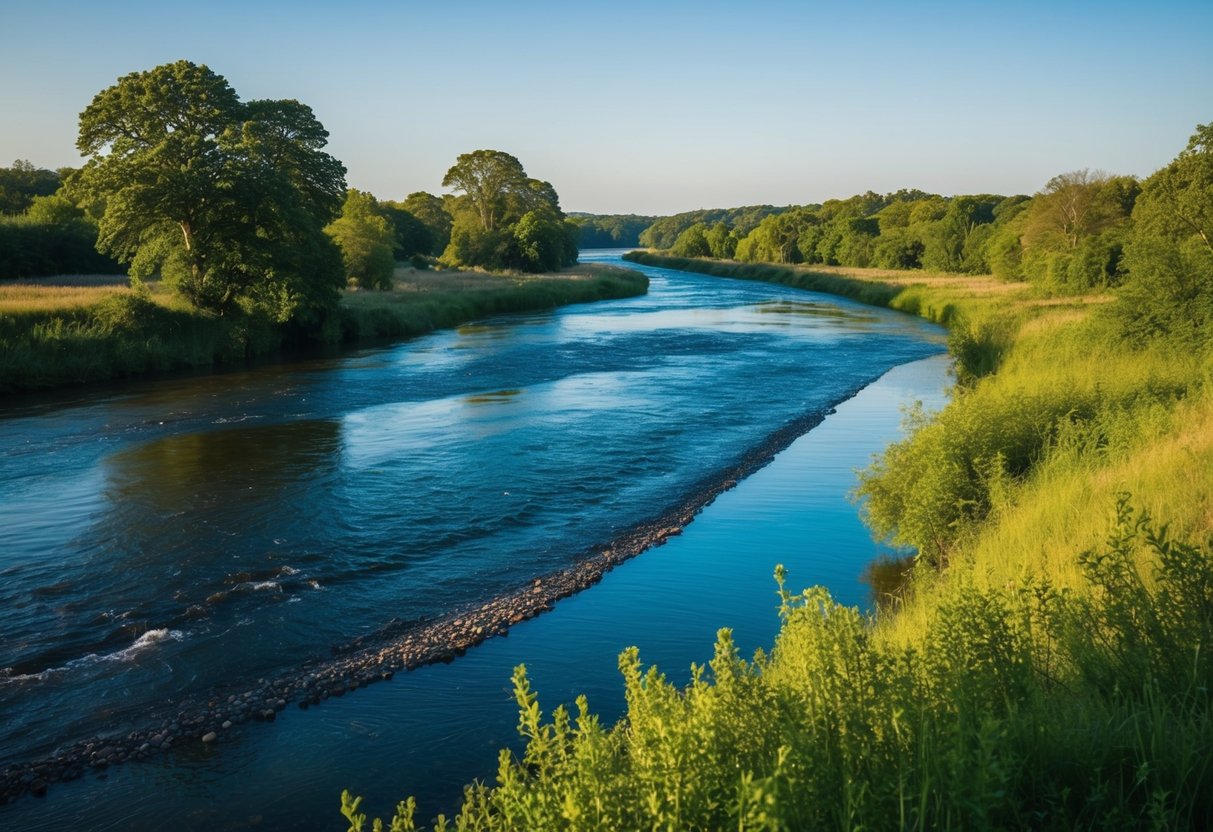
(1023, 707)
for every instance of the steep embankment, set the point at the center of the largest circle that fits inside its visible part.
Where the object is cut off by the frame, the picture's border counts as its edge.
(1046, 665)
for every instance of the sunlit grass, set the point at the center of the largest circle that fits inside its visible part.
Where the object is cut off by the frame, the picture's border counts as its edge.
(1048, 666)
(24, 298)
(56, 331)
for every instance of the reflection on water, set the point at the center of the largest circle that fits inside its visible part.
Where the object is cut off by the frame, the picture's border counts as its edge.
(815, 310)
(206, 531)
(496, 397)
(220, 471)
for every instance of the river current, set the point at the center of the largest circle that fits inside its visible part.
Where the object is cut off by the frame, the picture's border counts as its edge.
(171, 537)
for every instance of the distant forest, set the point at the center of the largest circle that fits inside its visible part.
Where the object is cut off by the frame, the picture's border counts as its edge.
(610, 230)
(1068, 237)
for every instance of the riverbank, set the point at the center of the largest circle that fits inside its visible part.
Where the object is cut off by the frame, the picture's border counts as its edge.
(55, 334)
(437, 726)
(398, 646)
(361, 451)
(1044, 665)
(981, 313)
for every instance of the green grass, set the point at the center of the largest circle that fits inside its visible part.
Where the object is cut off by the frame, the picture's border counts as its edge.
(424, 301)
(1048, 665)
(52, 336)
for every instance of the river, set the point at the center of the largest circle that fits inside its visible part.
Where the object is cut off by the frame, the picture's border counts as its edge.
(171, 537)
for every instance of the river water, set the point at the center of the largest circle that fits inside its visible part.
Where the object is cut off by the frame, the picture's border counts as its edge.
(170, 537)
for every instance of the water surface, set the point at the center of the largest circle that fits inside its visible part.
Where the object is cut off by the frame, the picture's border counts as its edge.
(188, 533)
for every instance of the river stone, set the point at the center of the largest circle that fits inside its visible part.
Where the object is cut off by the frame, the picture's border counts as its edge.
(210, 736)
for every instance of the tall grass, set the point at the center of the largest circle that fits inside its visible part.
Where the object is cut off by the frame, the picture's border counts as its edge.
(416, 309)
(1047, 665)
(53, 336)
(1025, 707)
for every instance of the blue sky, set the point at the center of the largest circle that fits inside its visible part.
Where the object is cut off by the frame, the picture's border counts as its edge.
(654, 107)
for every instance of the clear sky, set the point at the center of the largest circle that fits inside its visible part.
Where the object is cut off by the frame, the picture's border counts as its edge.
(658, 107)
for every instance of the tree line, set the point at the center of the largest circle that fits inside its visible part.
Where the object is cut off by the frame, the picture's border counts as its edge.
(41, 231)
(237, 205)
(1083, 231)
(610, 230)
(1068, 237)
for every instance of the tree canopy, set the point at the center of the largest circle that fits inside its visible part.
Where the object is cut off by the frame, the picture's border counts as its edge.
(366, 240)
(227, 200)
(489, 180)
(1170, 254)
(21, 183)
(504, 219)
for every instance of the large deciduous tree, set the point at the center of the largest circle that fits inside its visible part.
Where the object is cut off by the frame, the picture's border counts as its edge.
(504, 219)
(227, 200)
(488, 179)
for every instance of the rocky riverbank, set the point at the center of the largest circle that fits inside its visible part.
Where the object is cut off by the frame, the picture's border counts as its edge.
(398, 646)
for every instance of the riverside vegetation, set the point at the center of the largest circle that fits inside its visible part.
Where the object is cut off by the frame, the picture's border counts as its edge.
(57, 335)
(1045, 661)
(240, 236)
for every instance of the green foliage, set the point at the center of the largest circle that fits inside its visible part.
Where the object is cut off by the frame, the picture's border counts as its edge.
(366, 240)
(664, 231)
(472, 245)
(22, 183)
(693, 242)
(51, 238)
(1072, 234)
(494, 185)
(1024, 707)
(123, 335)
(722, 241)
(227, 200)
(610, 230)
(776, 239)
(505, 220)
(898, 248)
(421, 225)
(543, 243)
(1177, 201)
(129, 334)
(950, 244)
(1170, 256)
(377, 316)
(1170, 292)
(1069, 239)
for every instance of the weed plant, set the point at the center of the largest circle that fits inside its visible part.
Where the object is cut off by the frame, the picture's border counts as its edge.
(1043, 667)
(1025, 706)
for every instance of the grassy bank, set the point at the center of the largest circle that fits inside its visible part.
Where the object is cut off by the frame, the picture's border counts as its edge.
(60, 333)
(1046, 663)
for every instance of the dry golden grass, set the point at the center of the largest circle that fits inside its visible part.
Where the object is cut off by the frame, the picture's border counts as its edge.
(409, 279)
(982, 284)
(61, 293)
(16, 298)
(78, 280)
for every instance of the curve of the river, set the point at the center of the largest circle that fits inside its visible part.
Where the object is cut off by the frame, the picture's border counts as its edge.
(180, 536)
